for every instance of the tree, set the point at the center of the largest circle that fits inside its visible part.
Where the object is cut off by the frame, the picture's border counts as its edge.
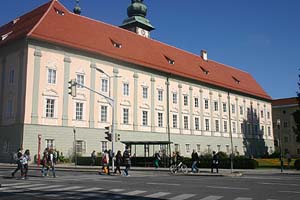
(296, 116)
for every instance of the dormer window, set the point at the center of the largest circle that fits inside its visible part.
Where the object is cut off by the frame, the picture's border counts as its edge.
(3, 37)
(205, 71)
(15, 21)
(170, 61)
(116, 44)
(237, 81)
(59, 12)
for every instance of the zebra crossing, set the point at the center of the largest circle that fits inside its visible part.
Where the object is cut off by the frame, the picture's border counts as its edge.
(83, 192)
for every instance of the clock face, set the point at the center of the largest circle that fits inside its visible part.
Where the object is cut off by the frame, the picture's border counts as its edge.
(142, 32)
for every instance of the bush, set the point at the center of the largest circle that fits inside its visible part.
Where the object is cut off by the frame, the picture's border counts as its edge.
(297, 164)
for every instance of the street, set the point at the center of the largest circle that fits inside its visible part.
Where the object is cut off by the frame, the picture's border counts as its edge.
(150, 185)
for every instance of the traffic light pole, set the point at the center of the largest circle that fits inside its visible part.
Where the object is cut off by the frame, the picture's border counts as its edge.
(111, 102)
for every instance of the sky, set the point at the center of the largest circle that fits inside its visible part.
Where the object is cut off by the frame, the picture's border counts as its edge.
(261, 37)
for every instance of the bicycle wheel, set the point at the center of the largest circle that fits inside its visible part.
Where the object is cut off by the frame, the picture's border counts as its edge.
(173, 169)
(184, 168)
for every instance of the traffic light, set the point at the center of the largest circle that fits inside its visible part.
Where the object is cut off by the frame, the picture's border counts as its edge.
(118, 138)
(72, 87)
(108, 133)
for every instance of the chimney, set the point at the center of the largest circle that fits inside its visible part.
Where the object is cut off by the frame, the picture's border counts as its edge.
(204, 55)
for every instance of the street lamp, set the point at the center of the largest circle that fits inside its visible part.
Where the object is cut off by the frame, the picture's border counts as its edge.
(75, 150)
(280, 145)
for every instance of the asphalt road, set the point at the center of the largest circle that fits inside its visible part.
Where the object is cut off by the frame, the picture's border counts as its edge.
(150, 185)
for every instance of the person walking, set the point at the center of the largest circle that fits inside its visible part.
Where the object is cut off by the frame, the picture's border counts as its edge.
(156, 160)
(52, 161)
(215, 162)
(195, 160)
(24, 162)
(18, 156)
(118, 162)
(45, 163)
(127, 161)
(93, 157)
(105, 162)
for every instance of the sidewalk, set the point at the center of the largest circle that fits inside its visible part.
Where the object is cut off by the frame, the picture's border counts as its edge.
(203, 171)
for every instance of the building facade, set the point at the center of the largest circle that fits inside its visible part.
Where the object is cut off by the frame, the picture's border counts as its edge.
(283, 123)
(161, 93)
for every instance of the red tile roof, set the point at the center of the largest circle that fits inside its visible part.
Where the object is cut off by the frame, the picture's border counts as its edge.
(68, 29)
(286, 101)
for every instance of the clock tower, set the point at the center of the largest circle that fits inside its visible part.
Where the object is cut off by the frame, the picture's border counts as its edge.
(136, 21)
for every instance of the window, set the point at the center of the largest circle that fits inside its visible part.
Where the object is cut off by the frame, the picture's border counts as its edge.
(227, 149)
(262, 130)
(197, 126)
(233, 127)
(50, 108)
(50, 143)
(145, 93)
(219, 147)
(80, 80)
(208, 148)
(207, 124)
(11, 76)
(216, 107)
(125, 115)
(241, 110)
(198, 148)
(242, 128)
(196, 102)
(225, 127)
(217, 126)
(104, 146)
(104, 85)
(80, 147)
(187, 148)
(262, 114)
(268, 115)
(125, 89)
(174, 98)
(232, 108)
(51, 76)
(269, 131)
(206, 104)
(185, 122)
(160, 119)
(185, 100)
(160, 95)
(103, 117)
(176, 147)
(145, 118)
(174, 121)
(79, 111)
(224, 107)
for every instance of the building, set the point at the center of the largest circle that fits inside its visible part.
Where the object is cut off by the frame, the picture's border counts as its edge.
(161, 93)
(283, 123)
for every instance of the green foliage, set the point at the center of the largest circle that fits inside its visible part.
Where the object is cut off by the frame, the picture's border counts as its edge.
(296, 129)
(88, 161)
(297, 164)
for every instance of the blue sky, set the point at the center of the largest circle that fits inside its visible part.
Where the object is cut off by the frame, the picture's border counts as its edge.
(261, 37)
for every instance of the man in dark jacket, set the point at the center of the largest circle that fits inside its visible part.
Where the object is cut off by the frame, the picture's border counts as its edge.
(195, 160)
(215, 162)
(127, 161)
(18, 157)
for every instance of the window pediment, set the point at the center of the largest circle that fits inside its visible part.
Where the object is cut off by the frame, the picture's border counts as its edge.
(50, 92)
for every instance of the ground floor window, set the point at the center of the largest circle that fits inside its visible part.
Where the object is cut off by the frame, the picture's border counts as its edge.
(50, 143)
(80, 147)
(103, 146)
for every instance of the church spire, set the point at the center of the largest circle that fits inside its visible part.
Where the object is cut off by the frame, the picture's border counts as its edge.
(77, 9)
(136, 21)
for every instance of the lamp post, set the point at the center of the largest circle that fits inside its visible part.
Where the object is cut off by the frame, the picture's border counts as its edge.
(75, 150)
(280, 145)
(39, 149)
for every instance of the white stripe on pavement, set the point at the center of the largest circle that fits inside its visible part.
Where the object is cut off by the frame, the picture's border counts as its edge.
(243, 198)
(227, 188)
(116, 190)
(135, 192)
(65, 188)
(171, 184)
(182, 197)
(286, 184)
(212, 198)
(93, 189)
(288, 191)
(158, 194)
(13, 184)
(46, 187)
(28, 186)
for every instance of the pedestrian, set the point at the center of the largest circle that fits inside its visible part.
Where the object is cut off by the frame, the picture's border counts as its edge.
(93, 157)
(51, 162)
(24, 162)
(118, 162)
(18, 156)
(105, 162)
(215, 162)
(156, 159)
(45, 163)
(174, 158)
(195, 160)
(127, 161)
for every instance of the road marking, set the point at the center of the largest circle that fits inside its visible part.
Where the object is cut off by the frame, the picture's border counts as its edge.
(182, 197)
(135, 192)
(65, 188)
(295, 192)
(227, 188)
(90, 189)
(46, 187)
(116, 190)
(286, 184)
(13, 184)
(212, 198)
(171, 184)
(243, 198)
(28, 186)
(257, 177)
(158, 194)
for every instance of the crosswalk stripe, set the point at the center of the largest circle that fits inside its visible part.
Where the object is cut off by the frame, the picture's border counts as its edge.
(46, 187)
(243, 198)
(135, 192)
(13, 184)
(28, 186)
(89, 189)
(212, 198)
(158, 194)
(182, 197)
(116, 190)
(65, 188)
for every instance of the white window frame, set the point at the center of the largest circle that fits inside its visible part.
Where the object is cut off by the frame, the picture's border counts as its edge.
(185, 100)
(103, 113)
(126, 89)
(225, 126)
(145, 118)
(80, 146)
(206, 104)
(187, 148)
(79, 112)
(224, 107)
(104, 146)
(216, 106)
(198, 146)
(160, 95)
(233, 127)
(197, 123)
(196, 101)
(50, 143)
(125, 116)
(52, 110)
(104, 85)
(80, 79)
(241, 110)
(174, 98)
(185, 122)
(175, 120)
(51, 75)
(160, 119)
(177, 147)
(145, 92)
(207, 125)
(217, 125)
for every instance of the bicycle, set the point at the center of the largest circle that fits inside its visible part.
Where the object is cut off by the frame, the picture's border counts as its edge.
(179, 168)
